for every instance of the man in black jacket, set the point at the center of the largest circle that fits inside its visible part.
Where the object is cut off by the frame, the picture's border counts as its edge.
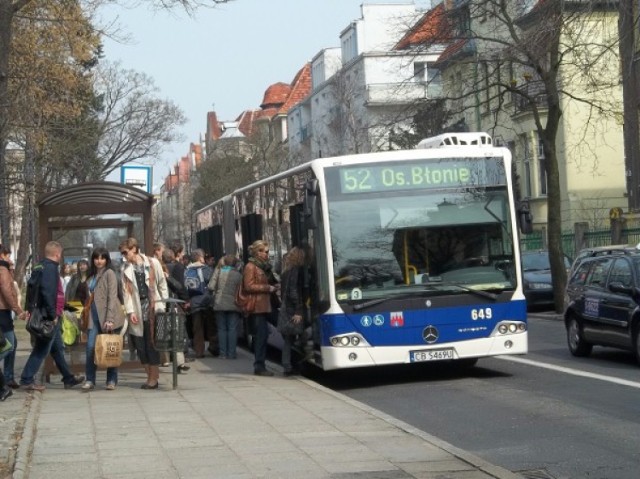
(46, 292)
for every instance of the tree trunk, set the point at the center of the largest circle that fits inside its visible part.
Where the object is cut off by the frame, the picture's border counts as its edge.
(6, 19)
(626, 28)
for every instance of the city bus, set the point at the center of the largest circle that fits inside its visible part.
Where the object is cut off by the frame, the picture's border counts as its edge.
(413, 255)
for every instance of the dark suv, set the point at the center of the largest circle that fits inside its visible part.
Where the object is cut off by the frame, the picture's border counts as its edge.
(602, 303)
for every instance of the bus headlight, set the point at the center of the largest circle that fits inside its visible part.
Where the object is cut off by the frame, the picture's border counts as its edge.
(349, 339)
(509, 327)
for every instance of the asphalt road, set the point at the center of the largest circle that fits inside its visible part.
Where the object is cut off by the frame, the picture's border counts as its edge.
(545, 415)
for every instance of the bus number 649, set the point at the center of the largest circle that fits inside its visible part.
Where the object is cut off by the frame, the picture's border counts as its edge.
(482, 313)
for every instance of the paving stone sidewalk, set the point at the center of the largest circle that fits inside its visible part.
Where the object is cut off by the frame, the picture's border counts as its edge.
(220, 422)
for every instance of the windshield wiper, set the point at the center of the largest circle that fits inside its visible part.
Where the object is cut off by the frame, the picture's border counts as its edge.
(428, 288)
(373, 302)
(477, 292)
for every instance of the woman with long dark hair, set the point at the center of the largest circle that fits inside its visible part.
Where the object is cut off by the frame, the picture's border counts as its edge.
(107, 314)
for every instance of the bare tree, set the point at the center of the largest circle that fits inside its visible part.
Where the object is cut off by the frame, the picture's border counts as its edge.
(134, 123)
(537, 58)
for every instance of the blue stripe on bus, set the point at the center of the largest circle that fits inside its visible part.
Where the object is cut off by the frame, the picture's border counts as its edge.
(453, 323)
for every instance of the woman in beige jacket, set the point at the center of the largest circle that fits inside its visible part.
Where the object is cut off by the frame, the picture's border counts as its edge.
(145, 288)
(107, 315)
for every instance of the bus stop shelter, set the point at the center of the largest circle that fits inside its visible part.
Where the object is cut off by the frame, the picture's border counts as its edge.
(79, 207)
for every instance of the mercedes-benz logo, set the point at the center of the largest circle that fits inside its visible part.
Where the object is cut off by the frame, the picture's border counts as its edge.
(430, 334)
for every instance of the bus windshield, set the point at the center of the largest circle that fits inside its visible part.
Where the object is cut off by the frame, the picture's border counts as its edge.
(397, 241)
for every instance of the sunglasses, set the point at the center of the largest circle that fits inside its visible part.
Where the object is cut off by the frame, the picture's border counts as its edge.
(124, 252)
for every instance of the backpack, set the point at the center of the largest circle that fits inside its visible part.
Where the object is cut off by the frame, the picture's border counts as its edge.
(195, 281)
(33, 287)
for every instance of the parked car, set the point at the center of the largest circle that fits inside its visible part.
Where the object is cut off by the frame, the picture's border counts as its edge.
(603, 304)
(599, 251)
(536, 272)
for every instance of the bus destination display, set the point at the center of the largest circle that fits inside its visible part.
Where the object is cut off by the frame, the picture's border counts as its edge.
(423, 175)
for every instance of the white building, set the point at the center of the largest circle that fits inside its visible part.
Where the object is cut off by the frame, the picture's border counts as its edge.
(363, 89)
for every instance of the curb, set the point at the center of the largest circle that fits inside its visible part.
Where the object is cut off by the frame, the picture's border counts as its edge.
(25, 443)
(486, 467)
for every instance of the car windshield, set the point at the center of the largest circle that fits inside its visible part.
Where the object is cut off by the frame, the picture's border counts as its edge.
(415, 240)
(538, 261)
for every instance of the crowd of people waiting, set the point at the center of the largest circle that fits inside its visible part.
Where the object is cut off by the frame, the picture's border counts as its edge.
(126, 299)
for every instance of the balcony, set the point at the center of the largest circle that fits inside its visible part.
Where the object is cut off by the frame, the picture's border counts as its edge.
(534, 90)
(381, 94)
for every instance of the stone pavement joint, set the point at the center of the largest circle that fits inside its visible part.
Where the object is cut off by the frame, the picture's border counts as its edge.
(221, 422)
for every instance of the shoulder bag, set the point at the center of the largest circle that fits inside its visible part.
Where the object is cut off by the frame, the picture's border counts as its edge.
(39, 326)
(244, 300)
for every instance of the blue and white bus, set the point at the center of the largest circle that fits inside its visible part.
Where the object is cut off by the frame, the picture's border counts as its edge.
(414, 253)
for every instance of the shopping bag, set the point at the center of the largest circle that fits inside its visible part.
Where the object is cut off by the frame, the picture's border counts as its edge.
(108, 353)
(70, 331)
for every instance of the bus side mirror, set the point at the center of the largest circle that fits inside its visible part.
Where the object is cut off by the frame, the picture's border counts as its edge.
(310, 204)
(525, 218)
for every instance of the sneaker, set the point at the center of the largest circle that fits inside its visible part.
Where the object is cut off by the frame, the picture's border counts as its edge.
(5, 393)
(263, 372)
(111, 387)
(88, 386)
(78, 379)
(13, 384)
(33, 387)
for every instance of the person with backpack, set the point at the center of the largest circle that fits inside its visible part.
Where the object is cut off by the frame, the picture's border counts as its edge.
(44, 291)
(196, 279)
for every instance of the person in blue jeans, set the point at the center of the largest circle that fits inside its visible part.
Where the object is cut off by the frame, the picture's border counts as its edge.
(223, 285)
(48, 296)
(107, 314)
(9, 303)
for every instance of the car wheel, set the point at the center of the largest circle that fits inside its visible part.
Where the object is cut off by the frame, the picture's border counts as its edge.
(577, 345)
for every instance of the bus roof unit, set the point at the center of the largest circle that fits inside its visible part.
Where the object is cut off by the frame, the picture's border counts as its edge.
(456, 139)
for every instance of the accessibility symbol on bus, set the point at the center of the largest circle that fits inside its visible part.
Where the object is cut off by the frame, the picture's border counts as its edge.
(397, 319)
(378, 320)
(366, 321)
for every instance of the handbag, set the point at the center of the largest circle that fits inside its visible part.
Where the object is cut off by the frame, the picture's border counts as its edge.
(86, 314)
(39, 326)
(245, 301)
(108, 353)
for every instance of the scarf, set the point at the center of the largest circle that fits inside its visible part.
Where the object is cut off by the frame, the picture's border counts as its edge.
(266, 267)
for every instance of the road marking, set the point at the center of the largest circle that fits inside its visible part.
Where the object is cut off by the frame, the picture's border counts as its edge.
(574, 372)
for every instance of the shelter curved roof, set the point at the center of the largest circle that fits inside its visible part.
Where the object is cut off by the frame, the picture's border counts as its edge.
(95, 192)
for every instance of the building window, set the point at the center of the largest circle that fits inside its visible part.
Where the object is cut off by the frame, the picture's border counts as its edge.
(526, 150)
(542, 171)
(419, 71)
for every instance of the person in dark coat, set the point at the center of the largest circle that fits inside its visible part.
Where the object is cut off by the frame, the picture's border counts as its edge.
(290, 318)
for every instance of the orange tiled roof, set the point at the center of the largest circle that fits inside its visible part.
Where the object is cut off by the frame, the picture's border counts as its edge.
(275, 95)
(452, 50)
(300, 89)
(433, 27)
(245, 121)
(213, 126)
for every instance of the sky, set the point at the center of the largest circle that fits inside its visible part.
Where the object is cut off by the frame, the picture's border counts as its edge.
(223, 59)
